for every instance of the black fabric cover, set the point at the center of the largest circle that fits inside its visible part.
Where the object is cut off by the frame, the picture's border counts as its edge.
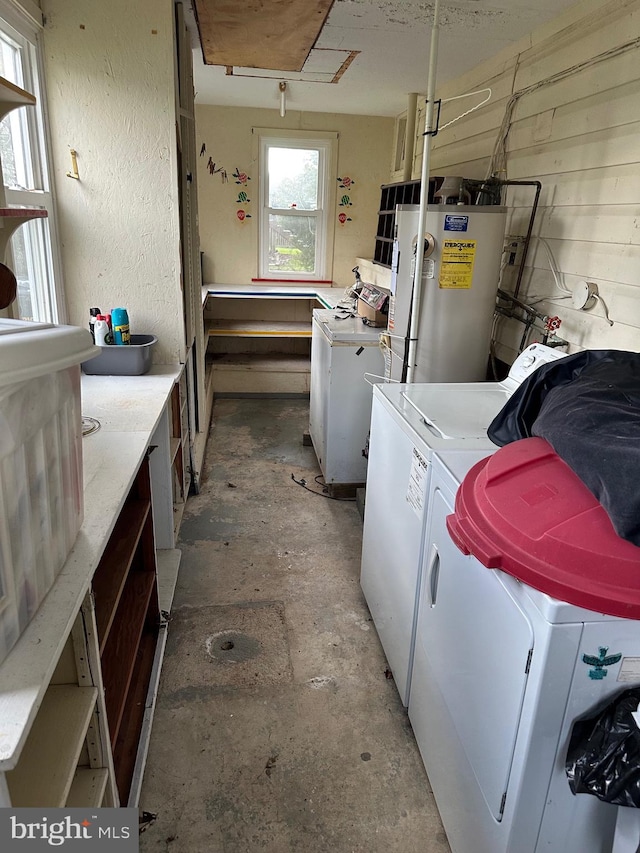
(515, 420)
(603, 758)
(587, 406)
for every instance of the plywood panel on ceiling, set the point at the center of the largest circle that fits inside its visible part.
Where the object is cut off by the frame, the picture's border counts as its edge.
(275, 34)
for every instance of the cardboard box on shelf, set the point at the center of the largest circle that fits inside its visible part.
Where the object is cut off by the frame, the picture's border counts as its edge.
(373, 305)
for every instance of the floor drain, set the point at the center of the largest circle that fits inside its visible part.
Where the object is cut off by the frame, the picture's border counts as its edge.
(231, 647)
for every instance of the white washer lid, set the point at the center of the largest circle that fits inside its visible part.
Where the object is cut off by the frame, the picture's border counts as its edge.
(457, 410)
(29, 349)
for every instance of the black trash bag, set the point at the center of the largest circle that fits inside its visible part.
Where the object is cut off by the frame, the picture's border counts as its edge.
(603, 758)
(517, 416)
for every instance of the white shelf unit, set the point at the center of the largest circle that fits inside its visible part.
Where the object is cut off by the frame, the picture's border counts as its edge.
(65, 710)
(88, 788)
(64, 740)
(259, 336)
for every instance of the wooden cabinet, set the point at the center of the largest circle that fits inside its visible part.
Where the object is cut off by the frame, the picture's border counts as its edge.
(127, 616)
(259, 337)
(180, 451)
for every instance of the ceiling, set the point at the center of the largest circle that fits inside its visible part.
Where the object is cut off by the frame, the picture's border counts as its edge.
(370, 54)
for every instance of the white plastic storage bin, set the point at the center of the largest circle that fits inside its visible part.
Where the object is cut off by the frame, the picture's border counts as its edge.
(41, 491)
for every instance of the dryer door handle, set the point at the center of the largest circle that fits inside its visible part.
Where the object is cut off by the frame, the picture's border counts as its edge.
(433, 575)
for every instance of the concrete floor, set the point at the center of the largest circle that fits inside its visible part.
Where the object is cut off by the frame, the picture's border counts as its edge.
(276, 729)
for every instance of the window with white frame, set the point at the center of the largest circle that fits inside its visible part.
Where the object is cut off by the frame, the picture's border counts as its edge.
(23, 152)
(296, 191)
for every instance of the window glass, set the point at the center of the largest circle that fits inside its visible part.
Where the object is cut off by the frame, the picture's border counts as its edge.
(293, 178)
(294, 213)
(13, 130)
(292, 244)
(23, 153)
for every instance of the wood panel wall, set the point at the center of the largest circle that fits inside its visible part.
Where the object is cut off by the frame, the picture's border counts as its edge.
(576, 128)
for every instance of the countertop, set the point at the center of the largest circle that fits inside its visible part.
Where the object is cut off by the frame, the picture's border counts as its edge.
(328, 296)
(128, 408)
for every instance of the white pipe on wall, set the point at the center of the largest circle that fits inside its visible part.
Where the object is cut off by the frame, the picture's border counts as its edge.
(410, 136)
(424, 194)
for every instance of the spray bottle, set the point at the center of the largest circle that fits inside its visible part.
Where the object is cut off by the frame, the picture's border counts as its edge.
(120, 326)
(101, 331)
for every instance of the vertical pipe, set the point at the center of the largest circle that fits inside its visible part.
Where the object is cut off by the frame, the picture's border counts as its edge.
(283, 98)
(424, 193)
(410, 136)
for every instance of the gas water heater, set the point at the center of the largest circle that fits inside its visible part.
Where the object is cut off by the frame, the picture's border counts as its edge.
(463, 250)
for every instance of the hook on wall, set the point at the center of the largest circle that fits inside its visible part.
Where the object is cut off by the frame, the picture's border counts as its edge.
(74, 166)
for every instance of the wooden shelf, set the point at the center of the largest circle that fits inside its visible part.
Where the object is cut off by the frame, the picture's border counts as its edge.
(88, 787)
(258, 329)
(125, 749)
(257, 373)
(111, 574)
(12, 96)
(261, 362)
(22, 213)
(44, 774)
(11, 218)
(119, 657)
(174, 446)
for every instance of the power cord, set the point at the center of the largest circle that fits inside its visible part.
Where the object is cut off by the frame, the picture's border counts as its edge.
(323, 494)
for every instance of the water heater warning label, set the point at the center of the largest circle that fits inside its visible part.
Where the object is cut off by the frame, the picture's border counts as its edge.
(456, 265)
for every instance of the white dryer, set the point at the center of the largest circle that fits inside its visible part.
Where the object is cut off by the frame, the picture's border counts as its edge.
(409, 422)
(501, 669)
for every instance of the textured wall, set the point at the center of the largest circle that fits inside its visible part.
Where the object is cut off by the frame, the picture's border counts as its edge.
(110, 83)
(230, 247)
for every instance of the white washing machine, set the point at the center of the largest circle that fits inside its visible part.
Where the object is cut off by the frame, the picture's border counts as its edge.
(343, 350)
(502, 670)
(409, 422)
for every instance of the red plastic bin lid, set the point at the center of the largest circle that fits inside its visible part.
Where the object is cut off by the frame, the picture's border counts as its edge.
(523, 510)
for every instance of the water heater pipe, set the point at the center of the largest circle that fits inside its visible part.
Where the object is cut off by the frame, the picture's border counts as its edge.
(424, 193)
(410, 136)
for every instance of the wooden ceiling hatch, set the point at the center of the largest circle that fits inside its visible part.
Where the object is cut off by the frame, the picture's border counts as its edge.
(273, 34)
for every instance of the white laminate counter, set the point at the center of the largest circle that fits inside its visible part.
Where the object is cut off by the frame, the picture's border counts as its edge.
(327, 296)
(129, 409)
